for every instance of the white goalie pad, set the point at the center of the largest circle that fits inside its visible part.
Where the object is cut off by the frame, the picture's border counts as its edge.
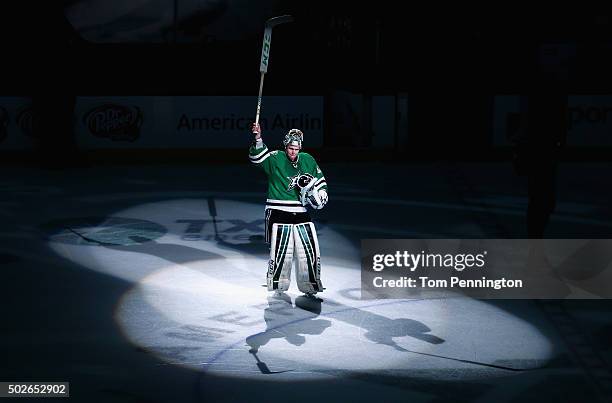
(281, 257)
(308, 259)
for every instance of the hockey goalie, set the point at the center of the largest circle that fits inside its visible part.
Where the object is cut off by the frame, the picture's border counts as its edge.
(295, 182)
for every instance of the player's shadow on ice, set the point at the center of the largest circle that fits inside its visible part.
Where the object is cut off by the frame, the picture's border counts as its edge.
(285, 321)
(382, 330)
(179, 254)
(378, 329)
(256, 246)
(279, 324)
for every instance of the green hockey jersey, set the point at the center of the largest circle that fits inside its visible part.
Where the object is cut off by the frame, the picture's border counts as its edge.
(283, 192)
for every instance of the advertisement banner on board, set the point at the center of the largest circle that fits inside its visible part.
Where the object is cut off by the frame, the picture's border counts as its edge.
(194, 121)
(16, 119)
(589, 120)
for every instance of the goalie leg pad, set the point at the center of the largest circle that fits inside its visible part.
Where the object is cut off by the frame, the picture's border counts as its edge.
(308, 258)
(281, 257)
(268, 225)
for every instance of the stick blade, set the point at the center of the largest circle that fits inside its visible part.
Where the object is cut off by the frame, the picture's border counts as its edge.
(282, 19)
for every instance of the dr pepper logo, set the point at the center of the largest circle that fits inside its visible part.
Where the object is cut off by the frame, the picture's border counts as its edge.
(116, 122)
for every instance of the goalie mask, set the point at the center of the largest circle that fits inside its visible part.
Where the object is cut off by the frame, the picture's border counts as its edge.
(293, 138)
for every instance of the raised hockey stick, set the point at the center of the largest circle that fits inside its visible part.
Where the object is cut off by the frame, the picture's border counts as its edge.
(265, 54)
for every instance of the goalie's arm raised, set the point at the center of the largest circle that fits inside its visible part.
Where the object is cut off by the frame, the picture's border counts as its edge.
(258, 152)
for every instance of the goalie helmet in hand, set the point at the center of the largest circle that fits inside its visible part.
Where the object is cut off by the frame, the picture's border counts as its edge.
(309, 194)
(294, 137)
(317, 198)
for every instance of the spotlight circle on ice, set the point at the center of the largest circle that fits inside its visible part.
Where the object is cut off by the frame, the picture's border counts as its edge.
(232, 327)
(198, 302)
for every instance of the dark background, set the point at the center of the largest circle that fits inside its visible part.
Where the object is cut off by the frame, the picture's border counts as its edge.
(447, 61)
(450, 57)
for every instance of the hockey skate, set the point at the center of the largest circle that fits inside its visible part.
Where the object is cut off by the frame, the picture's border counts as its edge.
(309, 302)
(313, 296)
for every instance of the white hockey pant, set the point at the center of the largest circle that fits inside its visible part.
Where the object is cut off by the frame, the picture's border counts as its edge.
(297, 241)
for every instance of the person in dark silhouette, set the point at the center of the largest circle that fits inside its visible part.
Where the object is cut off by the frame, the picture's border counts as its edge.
(539, 143)
(53, 108)
(546, 130)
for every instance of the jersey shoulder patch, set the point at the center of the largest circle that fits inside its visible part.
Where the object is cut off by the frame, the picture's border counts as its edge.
(274, 152)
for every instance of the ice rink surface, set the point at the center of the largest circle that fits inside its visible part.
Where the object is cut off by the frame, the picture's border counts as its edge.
(144, 284)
